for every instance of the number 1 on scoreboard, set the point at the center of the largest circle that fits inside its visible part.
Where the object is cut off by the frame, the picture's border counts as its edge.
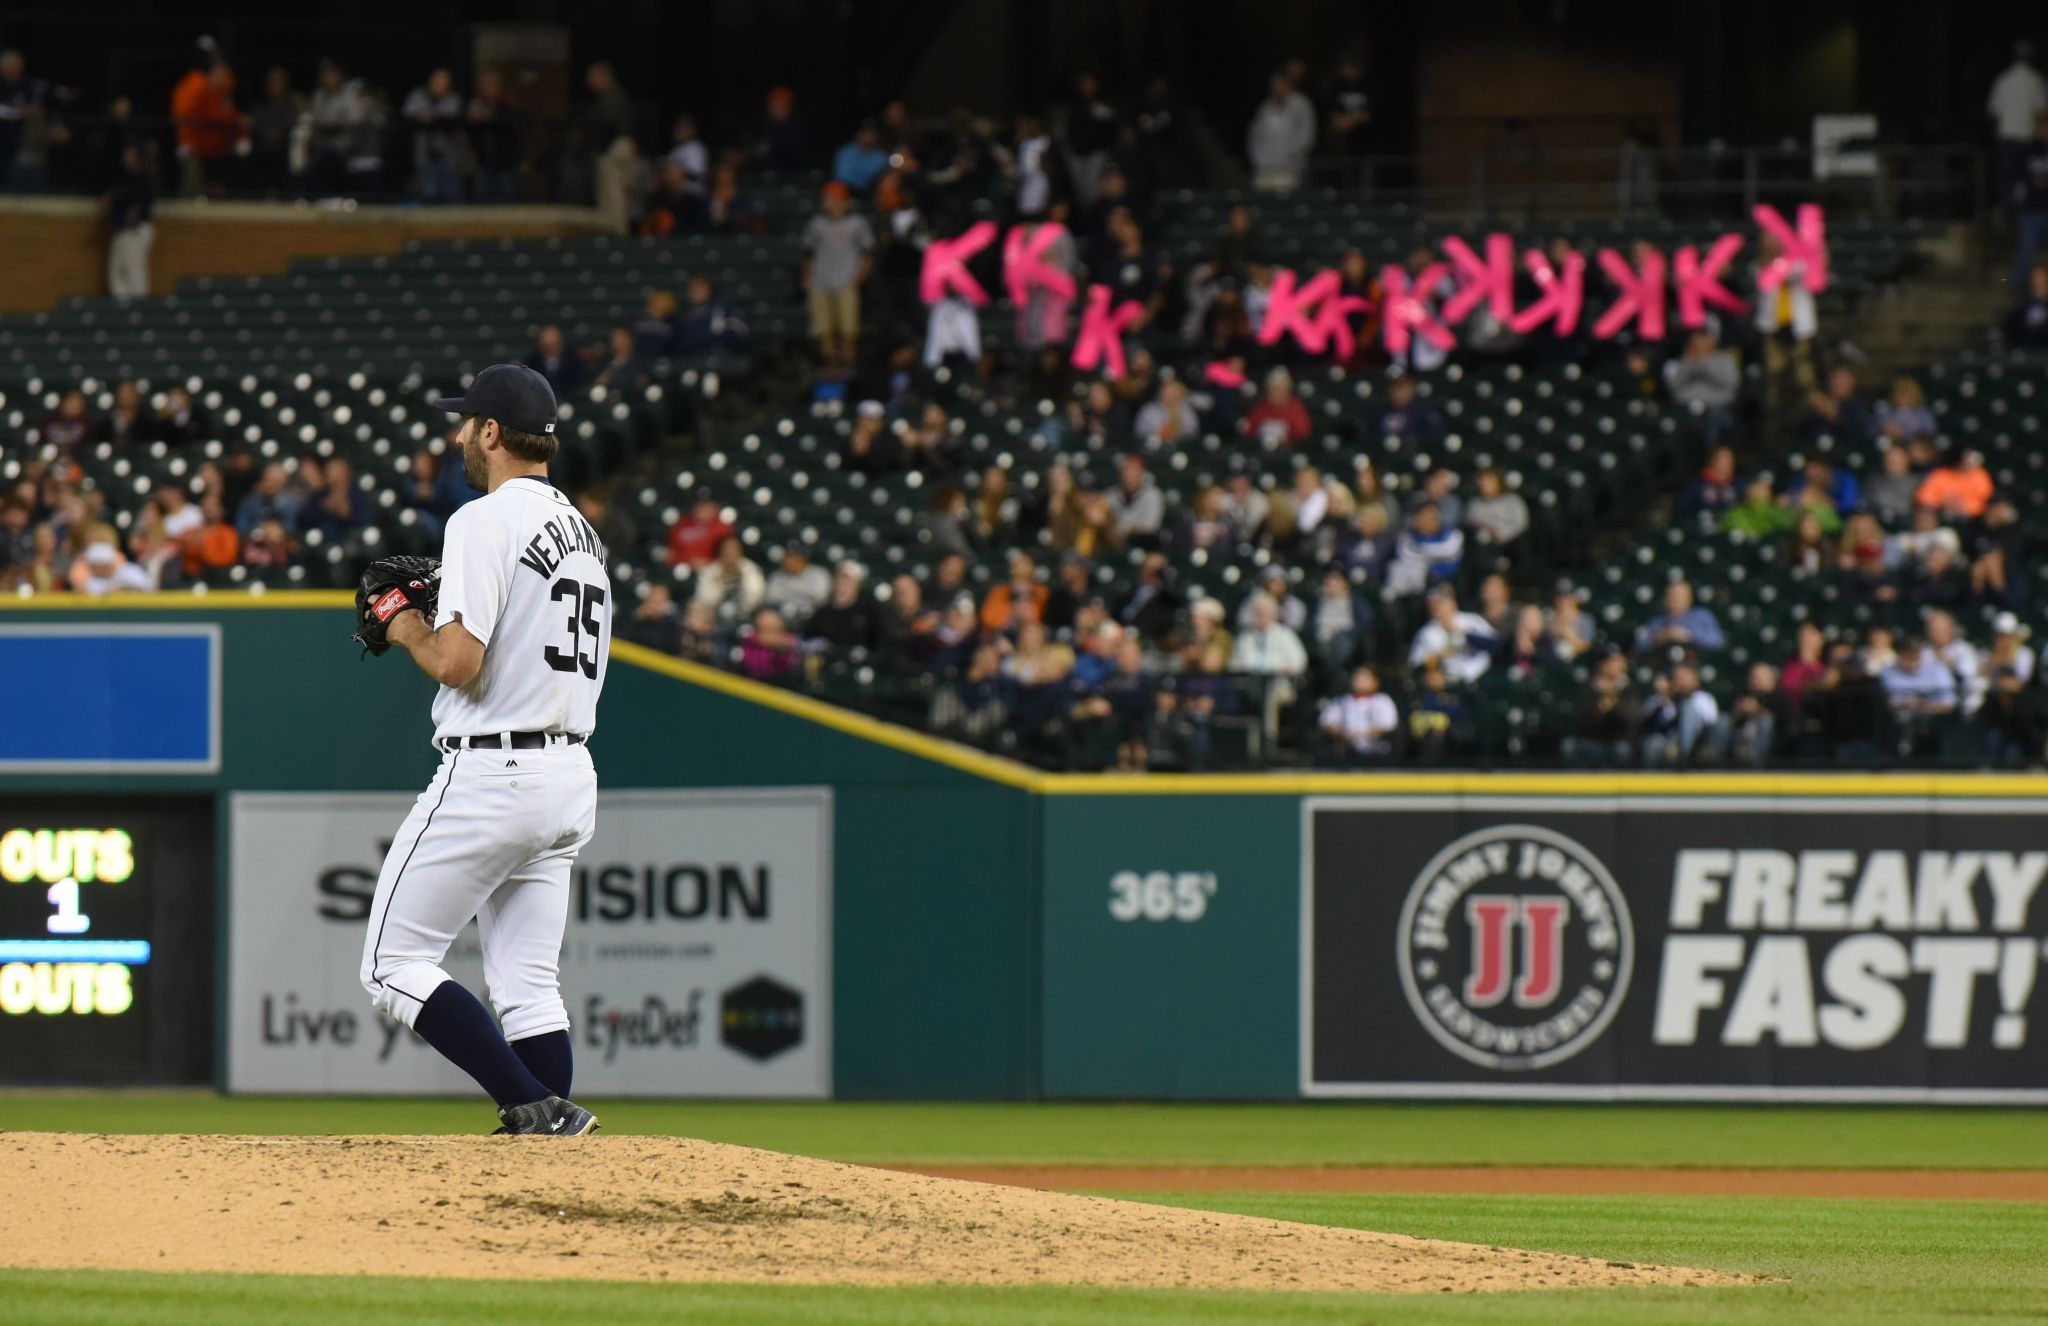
(68, 920)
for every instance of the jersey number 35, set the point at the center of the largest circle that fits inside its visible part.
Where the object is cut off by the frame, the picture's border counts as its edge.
(586, 604)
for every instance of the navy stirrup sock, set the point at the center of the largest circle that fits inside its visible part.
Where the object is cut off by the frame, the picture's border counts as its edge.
(548, 1058)
(455, 1023)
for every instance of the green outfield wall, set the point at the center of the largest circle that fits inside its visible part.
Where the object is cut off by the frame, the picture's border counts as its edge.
(1000, 933)
(1170, 944)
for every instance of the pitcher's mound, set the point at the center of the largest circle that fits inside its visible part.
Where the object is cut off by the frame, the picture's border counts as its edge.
(654, 1208)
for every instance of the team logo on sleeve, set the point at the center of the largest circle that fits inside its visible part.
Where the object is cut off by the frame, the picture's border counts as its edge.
(1515, 947)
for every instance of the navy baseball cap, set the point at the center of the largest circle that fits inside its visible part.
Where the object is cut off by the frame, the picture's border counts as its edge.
(513, 394)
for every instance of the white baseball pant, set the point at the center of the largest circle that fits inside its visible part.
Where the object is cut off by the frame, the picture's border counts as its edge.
(493, 837)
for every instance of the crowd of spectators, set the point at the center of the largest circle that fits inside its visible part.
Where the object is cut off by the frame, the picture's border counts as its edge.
(338, 136)
(453, 139)
(1091, 163)
(59, 535)
(1912, 539)
(1072, 666)
(1879, 696)
(1359, 647)
(899, 183)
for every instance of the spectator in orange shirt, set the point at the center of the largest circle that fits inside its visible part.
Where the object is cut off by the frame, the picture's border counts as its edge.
(1017, 600)
(1961, 490)
(216, 544)
(210, 129)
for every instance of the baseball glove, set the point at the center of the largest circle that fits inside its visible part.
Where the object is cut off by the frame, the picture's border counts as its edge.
(389, 586)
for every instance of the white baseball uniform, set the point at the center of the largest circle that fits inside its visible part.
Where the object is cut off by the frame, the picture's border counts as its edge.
(497, 830)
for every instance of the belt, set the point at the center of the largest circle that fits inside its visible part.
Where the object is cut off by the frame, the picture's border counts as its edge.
(514, 740)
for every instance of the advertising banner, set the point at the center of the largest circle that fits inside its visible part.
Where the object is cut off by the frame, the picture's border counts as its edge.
(1712, 949)
(106, 939)
(697, 960)
(111, 697)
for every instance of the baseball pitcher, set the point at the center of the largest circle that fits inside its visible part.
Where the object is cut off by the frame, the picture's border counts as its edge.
(515, 622)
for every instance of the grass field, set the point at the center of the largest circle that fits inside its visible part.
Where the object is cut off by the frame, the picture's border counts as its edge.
(1292, 1134)
(1840, 1262)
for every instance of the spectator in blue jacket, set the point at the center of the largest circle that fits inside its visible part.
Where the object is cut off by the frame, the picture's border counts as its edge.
(707, 324)
(623, 367)
(1905, 416)
(654, 331)
(1427, 551)
(1096, 659)
(1842, 489)
(1682, 623)
(1109, 721)
(270, 499)
(860, 163)
(1407, 418)
(438, 489)
(1838, 411)
(1715, 489)
(553, 360)
(338, 509)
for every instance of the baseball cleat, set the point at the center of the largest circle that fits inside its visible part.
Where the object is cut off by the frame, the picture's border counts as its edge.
(552, 1117)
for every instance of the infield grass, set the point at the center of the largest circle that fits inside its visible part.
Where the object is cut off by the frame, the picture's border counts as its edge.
(1894, 1263)
(1143, 1134)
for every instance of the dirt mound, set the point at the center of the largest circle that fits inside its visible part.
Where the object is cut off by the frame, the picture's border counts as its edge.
(644, 1208)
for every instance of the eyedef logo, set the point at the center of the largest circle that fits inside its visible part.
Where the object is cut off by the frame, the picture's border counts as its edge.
(1515, 947)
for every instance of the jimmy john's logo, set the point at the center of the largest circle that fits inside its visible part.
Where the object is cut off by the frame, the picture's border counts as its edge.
(1515, 947)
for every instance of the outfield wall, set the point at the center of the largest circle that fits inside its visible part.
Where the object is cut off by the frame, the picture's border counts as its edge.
(998, 933)
(1536, 937)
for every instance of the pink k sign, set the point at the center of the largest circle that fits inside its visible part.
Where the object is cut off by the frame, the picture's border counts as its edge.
(945, 266)
(1317, 315)
(1699, 282)
(1804, 244)
(1287, 308)
(1639, 295)
(1563, 297)
(1333, 324)
(1406, 311)
(1222, 373)
(1490, 281)
(1024, 266)
(1102, 332)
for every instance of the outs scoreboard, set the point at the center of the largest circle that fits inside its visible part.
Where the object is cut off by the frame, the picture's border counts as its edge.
(67, 968)
(105, 940)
